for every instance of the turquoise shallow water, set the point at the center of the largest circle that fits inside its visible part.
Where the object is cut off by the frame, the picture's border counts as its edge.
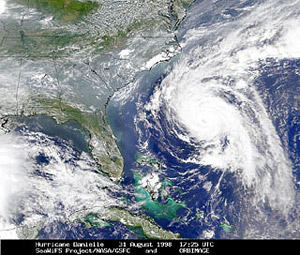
(198, 199)
(217, 203)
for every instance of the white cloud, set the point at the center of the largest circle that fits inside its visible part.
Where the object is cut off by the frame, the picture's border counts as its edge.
(12, 158)
(66, 185)
(2, 6)
(235, 136)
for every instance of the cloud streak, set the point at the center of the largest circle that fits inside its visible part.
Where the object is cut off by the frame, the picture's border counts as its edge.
(210, 98)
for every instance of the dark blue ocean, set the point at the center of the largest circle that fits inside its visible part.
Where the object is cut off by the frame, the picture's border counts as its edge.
(278, 84)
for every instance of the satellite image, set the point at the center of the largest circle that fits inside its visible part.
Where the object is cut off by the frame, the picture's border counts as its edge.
(149, 119)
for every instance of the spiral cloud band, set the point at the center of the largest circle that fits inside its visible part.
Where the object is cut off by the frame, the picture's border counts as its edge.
(211, 98)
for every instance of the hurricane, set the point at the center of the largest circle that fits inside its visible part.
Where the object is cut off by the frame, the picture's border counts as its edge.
(208, 112)
(150, 120)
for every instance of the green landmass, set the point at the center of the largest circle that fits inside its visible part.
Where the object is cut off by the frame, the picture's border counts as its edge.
(102, 143)
(65, 10)
(49, 43)
(93, 220)
(145, 225)
(138, 231)
(158, 210)
(141, 225)
(57, 43)
(114, 40)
